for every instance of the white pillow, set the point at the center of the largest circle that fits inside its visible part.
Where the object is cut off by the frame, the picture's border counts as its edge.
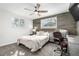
(63, 32)
(42, 33)
(46, 34)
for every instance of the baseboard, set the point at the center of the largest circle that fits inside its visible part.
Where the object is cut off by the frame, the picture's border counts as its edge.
(6, 44)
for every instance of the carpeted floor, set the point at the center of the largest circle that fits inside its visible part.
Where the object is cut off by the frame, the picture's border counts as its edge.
(15, 50)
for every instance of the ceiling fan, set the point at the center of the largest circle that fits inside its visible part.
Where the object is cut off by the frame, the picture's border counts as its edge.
(36, 10)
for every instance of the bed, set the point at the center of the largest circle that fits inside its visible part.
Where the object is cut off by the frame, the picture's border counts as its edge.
(34, 42)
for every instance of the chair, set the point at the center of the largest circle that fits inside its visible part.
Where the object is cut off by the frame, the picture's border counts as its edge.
(57, 37)
(63, 42)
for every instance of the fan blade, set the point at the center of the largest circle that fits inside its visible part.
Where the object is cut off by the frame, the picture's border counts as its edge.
(42, 11)
(28, 9)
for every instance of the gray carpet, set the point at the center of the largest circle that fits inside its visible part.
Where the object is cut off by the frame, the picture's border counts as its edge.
(15, 50)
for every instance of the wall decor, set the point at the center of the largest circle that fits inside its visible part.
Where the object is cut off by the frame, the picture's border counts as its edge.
(49, 23)
(18, 22)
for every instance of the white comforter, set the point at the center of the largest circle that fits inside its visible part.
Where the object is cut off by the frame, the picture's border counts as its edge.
(33, 42)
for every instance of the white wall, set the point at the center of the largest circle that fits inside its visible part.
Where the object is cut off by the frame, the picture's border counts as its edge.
(8, 32)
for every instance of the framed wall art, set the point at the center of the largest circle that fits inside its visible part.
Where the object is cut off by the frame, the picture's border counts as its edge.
(18, 22)
(49, 23)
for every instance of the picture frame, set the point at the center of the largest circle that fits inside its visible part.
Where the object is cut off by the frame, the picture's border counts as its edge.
(49, 23)
(18, 22)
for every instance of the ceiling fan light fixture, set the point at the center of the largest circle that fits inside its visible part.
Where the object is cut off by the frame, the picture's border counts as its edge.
(36, 10)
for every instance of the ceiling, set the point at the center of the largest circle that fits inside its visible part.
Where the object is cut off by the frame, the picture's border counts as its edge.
(18, 8)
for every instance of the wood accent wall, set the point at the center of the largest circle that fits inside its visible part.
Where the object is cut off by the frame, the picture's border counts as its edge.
(64, 21)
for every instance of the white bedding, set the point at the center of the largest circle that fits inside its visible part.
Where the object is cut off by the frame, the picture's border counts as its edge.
(33, 42)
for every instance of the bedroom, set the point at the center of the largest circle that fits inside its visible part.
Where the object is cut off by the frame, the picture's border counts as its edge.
(26, 20)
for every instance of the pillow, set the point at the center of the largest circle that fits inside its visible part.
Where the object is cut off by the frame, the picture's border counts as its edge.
(64, 32)
(42, 33)
(46, 34)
